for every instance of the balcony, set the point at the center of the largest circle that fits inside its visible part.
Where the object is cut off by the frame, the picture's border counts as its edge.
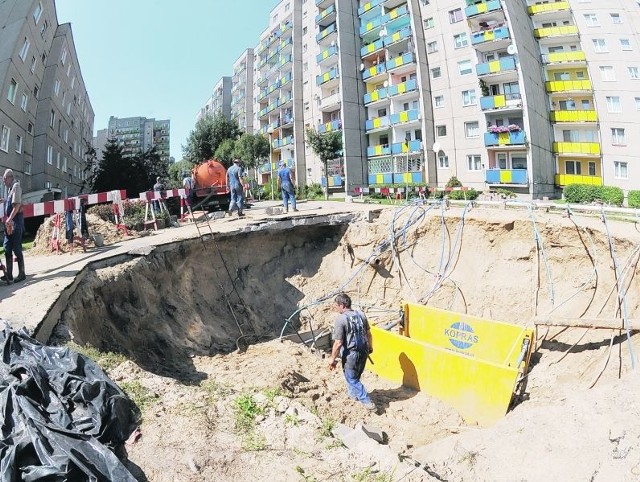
(371, 48)
(584, 148)
(568, 86)
(330, 102)
(378, 150)
(331, 29)
(406, 147)
(405, 116)
(499, 139)
(564, 57)
(496, 66)
(500, 33)
(326, 53)
(399, 35)
(327, 76)
(403, 88)
(564, 31)
(565, 179)
(506, 176)
(395, 13)
(573, 116)
(374, 71)
(369, 6)
(323, 3)
(370, 26)
(326, 16)
(548, 7)
(280, 143)
(400, 61)
(482, 8)
(334, 125)
(375, 96)
(500, 102)
(377, 123)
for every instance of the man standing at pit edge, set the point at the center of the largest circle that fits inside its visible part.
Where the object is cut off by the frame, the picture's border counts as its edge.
(352, 341)
(13, 227)
(235, 187)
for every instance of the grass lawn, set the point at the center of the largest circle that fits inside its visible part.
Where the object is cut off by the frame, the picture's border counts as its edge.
(27, 243)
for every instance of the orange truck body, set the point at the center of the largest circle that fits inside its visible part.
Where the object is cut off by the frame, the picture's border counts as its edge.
(210, 184)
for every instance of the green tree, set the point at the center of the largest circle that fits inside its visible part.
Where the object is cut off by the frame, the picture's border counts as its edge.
(327, 146)
(225, 152)
(252, 149)
(149, 166)
(209, 133)
(90, 166)
(177, 171)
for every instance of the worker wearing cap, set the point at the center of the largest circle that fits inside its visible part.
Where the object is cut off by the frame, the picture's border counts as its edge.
(234, 182)
(13, 227)
(285, 184)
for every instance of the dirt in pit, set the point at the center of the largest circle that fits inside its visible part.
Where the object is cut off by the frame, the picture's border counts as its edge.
(172, 311)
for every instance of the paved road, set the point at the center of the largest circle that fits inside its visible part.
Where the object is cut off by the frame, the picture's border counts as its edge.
(37, 303)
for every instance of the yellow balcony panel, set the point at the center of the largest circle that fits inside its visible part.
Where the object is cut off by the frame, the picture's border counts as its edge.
(548, 7)
(590, 148)
(573, 116)
(557, 57)
(556, 31)
(568, 85)
(565, 179)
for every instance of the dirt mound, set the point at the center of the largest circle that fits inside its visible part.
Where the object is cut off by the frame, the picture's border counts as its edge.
(42, 244)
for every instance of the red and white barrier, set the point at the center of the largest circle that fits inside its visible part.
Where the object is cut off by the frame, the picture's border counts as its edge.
(159, 196)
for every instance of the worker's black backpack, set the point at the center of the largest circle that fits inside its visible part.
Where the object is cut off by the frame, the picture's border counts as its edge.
(357, 334)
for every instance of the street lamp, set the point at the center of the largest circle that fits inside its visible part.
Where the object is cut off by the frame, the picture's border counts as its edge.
(270, 132)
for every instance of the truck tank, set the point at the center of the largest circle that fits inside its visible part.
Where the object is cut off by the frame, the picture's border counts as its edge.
(210, 185)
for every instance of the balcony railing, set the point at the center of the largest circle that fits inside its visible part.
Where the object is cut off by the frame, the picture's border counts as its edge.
(504, 139)
(565, 179)
(334, 125)
(326, 53)
(397, 36)
(400, 60)
(560, 57)
(568, 85)
(395, 13)
(480, 8)
(548, 7)
(504, 101)
(506, 176)
(370, 25)
(285, 141)
(368, 6)
(378, 150)
(406, 147)
(374, 71)
(499, 33)
(567, 30)
(326, 32)
(403, 87)
(372, 47)
(589, 148)
(405, 116)
(573, 116)
(496, 66)
(325, 13)
(376, 95)
(327, 76)
(377, 123)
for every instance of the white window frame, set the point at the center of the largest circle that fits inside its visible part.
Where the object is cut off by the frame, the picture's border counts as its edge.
(429, 23)
(25, 49)
(438, 101)
(591, 20)
(27, 168)
(434, 70)
(616, 19)
(472, 129)
(24, 102)
(460, 40)
(63, 58)
(37, 13)
(474, 162)
(64, 164)
(34, 60)
(462, 67)
(18, 143)
(637, 99)
(441, 127)
(5, 137)
(576, 167)
(443, 161)
(634, 73)
(607, 73)
(469, 97)
(432, 47)
(617, 136)
(613, 104)
(456, 15)
(56, 87)
(50, 155)
(58, 160)
(11, 94)
(620, 170)
(599, 45)
(625, 44)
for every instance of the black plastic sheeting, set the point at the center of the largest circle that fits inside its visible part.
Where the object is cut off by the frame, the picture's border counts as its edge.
(61, 415)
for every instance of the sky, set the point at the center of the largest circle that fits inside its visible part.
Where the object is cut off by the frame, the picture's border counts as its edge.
(159, 58)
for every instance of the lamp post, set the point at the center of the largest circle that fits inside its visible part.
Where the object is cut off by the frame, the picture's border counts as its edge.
(270, 132)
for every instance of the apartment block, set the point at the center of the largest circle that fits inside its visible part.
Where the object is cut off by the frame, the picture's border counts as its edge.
(220, 100)
(45, 112)
(525, 96)
(138, 134)
(242, 91)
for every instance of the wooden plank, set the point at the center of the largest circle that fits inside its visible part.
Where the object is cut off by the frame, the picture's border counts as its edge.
(595, 323)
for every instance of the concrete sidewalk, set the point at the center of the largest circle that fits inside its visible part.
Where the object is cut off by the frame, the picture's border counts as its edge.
(50, 279)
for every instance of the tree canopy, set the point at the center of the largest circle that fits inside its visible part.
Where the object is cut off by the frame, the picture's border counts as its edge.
(252, 149)
(207, 136)
(327, 146)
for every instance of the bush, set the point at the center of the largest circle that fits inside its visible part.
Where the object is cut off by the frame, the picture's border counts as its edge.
(634, 199)
(311, 191)
(460, 195)
(453, 182)
(587, 193)
(505, 193)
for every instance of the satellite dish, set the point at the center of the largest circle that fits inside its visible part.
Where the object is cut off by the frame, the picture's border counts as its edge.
(512, 50)
(383, 33)
(361, 67)
(386, 84)
(437, 147)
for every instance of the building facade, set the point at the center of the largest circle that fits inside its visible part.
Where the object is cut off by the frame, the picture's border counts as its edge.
(242, 91)
(524, 96)
(45, 112)
(220, 100)
(136, 135)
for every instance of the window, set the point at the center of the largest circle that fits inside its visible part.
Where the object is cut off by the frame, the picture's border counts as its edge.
(4, 140)
(52, 118)
(637, 103)
(56, 87)
(11, 95)
(66, 135)
(615, 18)
(64, 165)
(438, 101)
(620, 170)
(24, 49)
(617, 136)
(592, 168)
(33, 64)
(436, 72)
(613, 104)
(443, 161)
(591, 19)
(572, 167)
(73, 81)
(58, 161)
(63, 59)
(472, 129)
(464, 67)
(432, 47)
(19, 144)
(24, 101)
(69, 108)
(35, 92)
(43, 29)
(474, 162)
(469, 97)
(304, 31)
(460, 40)
(37, 13)
(607, 73)
(429, 23)
(455, 16)
(27, 167)
(625, 44)
(30, 128)
(441, 131)
(634, 73)
(599, 45)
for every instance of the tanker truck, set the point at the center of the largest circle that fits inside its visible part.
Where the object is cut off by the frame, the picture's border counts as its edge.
(210, 190)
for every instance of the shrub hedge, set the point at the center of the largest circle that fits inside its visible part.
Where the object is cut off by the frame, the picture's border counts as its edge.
(634, 199)
(587, 193)
(460, 195)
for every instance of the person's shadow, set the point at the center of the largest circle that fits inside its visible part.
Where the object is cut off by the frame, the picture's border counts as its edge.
(409, 388)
